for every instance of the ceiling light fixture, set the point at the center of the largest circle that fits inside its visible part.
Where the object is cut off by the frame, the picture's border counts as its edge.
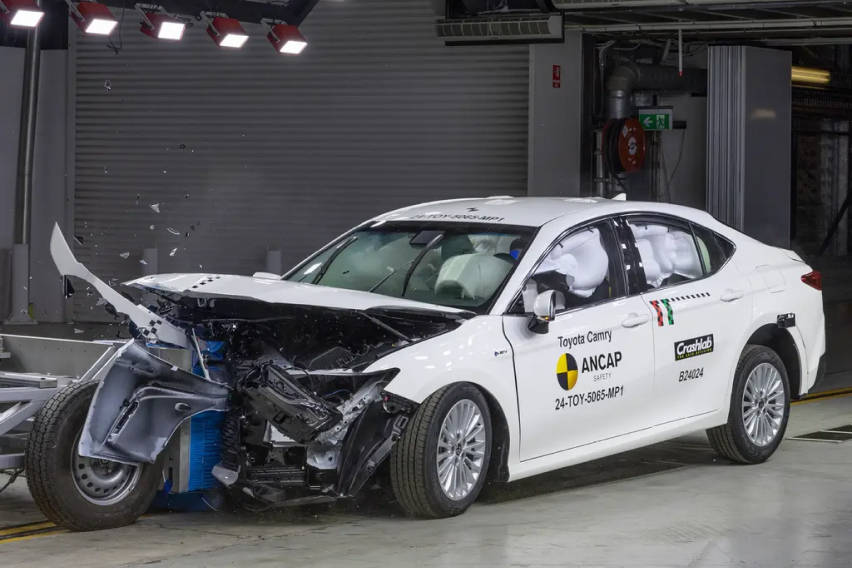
(286, 39)
(21, 13)
(157, 23)
(92, 17)
(225, 31)
(811, 75)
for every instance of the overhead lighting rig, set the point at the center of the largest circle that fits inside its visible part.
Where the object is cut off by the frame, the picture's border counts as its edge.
(159, 24)
(225, 31)
(92, 17)
(21, 13)
(285, 38)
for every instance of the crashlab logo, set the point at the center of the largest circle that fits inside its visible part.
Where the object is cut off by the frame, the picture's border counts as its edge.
(693, 347)
(566, 371)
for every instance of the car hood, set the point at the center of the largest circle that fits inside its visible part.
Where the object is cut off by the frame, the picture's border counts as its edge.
(275, 291)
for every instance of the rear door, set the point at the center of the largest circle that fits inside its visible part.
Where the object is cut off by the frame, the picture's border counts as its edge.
(698, 306)
(589, 378)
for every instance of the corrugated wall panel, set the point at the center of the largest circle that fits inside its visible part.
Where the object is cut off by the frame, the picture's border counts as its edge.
(726, 133)
(248, 151)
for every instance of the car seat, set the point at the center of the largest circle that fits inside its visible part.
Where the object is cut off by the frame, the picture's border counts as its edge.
(471, 276)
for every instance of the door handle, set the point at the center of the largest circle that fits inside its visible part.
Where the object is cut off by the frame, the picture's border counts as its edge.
(635, 320)
(731, 295)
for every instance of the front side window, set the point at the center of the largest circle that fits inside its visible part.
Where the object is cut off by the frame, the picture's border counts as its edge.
(583, 268)
(453, 265)
(667, 251)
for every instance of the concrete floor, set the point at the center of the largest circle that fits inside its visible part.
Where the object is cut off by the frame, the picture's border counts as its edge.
(673, 504)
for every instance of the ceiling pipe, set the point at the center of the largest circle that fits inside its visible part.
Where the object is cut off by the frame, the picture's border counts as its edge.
(629, 77)
(691, 26)
(572, 5)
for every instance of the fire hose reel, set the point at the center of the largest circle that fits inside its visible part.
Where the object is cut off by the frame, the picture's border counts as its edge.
(624, 145)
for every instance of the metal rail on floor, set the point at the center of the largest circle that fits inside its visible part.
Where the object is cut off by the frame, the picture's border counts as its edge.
(827, 395)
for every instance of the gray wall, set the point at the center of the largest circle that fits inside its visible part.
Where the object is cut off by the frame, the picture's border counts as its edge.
(48, 180)
(749, 118)
(248, 150)
(49, 185)
(685, 151)
(556, 118)
(12, 64)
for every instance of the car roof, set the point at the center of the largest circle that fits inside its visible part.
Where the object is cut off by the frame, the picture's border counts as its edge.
(533, 211)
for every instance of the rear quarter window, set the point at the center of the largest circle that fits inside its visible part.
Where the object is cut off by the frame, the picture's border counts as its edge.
(713, 249)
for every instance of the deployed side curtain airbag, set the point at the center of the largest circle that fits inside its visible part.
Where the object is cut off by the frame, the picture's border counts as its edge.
(666, 251)
(582, 259)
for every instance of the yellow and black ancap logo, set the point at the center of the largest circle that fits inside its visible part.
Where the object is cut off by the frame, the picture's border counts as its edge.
(566, 371)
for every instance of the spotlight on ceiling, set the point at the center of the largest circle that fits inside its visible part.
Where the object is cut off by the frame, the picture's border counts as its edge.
(225, 31)
(21, 13)
(92, 17)
(286, 39)
(157, 23)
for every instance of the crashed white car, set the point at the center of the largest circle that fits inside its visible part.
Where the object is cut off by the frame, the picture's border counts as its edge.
(457, 342)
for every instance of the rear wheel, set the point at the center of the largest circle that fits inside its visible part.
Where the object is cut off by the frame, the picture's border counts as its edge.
(760, 408)
(76, 492)
(439, 465)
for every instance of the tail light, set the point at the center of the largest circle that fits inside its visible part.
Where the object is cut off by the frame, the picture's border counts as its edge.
(813, 279)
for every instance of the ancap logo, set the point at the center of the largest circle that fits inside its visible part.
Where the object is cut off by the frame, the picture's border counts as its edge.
(693, 347)
(566, 371)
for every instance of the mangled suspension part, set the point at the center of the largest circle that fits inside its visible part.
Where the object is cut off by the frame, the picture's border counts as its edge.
(276, 394)
(370, 441)
(227, 471)
(141, 401)
(325, 452)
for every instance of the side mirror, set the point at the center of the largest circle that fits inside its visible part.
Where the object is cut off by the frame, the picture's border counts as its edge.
(544, 312)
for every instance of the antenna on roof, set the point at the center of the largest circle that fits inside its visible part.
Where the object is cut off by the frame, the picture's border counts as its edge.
(620, 197)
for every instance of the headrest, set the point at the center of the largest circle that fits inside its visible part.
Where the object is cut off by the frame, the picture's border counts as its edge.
(456, 244)
(475, 276)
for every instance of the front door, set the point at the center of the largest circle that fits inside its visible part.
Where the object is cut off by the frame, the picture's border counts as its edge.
(589, 378)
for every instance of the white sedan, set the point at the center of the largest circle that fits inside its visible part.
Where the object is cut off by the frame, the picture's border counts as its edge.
(457, 341)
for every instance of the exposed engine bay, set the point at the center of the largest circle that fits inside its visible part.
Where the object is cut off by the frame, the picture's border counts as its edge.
(303, 420)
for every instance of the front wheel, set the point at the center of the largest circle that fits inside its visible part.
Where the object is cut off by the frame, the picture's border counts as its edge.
(439, 465)
(79, 493)
(760, 408)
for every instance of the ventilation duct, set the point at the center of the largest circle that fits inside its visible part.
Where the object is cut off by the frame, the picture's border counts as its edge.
(629, 77)
(527, 29)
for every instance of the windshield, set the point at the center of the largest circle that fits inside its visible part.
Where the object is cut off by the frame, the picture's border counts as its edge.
(454, 265)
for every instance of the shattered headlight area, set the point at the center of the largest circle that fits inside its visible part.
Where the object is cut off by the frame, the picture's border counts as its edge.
(285, 362)
(302, 419)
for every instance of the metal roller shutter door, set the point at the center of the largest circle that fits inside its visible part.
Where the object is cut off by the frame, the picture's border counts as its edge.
(247, 150)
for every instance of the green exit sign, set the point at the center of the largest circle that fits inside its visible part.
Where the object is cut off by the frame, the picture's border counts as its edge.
(656, 118)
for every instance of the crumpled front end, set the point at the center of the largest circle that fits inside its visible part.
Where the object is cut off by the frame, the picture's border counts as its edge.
(302, 420)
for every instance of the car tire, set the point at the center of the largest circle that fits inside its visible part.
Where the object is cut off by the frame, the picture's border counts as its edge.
(429, 442)
(760, 408)
(77, 493)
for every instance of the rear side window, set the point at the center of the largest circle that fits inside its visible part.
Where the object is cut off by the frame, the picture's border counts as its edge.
(714, 250)
(667, 251)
